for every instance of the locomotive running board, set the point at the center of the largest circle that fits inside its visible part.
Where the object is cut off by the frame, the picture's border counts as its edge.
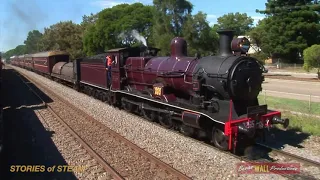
(153, 100)
(143, 106)
(169, 105)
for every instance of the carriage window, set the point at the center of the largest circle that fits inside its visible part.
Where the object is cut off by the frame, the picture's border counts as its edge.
(115, 60)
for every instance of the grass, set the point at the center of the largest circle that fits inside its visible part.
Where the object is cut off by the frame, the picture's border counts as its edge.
(302, 123)
(291, 104)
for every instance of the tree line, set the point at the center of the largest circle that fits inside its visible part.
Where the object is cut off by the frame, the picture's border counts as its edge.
(288, 29)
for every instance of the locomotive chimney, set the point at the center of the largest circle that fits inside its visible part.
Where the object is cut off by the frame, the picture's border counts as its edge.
(225, 40)
(178, 47)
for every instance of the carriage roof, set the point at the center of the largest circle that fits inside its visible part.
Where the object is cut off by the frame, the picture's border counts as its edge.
(28, 55)
(50, 53)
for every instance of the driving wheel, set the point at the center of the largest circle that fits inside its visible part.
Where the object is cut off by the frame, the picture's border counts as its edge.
(219, 139)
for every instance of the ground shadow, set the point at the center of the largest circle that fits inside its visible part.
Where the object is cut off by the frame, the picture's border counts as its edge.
(44, 97)
(277, 137)
(26, 141)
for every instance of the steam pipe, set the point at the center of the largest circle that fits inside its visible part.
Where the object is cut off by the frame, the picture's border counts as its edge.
(225, 40)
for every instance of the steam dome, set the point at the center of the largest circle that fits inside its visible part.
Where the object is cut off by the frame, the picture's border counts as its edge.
(178, 47)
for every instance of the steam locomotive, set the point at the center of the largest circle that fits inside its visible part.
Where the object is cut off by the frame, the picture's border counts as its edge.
(212, 97)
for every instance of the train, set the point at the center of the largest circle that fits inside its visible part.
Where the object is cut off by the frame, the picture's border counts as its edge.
(212, 97)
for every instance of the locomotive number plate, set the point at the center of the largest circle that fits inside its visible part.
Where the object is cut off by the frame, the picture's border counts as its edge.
(254, 124)
(157, 91)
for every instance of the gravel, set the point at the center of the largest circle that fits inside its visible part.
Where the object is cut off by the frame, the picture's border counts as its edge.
(307, 172)
(297, 143)
(71, 150)
(193, 158)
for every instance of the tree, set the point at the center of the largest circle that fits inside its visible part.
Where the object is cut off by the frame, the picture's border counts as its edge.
(65, 36)
(19, 50)
(240, 23)
(169, 18)
(257, 33)
(114, 25)
(198, 35)
(32, 41)
(311, 57)
(290, 27)
(89, 20)
(257, 36)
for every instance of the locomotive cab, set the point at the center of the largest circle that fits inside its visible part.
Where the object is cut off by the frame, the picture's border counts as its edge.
(125, 59)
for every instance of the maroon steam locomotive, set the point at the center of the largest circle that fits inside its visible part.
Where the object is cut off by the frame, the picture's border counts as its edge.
(213, 96)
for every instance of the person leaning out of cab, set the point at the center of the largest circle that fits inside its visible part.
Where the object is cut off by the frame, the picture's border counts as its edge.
(109, 62)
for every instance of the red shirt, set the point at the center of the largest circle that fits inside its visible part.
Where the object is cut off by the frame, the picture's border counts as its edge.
(109, 61)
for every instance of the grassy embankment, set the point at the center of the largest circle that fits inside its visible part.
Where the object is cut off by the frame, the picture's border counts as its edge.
(303, 123)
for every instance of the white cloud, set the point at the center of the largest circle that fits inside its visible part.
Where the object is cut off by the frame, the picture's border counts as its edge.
(107, 3)
(212, 16)
(256, 19)
(213, 19)
(111, 3)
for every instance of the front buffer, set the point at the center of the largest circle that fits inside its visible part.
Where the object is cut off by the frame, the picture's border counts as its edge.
(243, 131)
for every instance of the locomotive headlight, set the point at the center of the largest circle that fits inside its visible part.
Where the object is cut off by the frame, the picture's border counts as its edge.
(247, 128)
(240, 45)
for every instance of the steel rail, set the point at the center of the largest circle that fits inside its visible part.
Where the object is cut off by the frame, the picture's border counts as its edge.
(136, 148)
(291, 156)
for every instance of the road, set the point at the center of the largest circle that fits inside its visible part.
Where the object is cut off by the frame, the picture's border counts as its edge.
(294, 74)
(292, 89)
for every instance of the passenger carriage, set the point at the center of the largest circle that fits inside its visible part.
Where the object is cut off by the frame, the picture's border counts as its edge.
(28, 61)
(43, 62)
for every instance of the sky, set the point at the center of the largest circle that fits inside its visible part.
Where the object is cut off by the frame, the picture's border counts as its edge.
(18, 17)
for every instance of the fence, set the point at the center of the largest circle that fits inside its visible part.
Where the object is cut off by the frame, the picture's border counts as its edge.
(303, 103)
(285, 66)
(281, 65)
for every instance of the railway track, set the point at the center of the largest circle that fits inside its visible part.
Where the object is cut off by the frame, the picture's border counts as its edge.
(108, 168)
(305, 161)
